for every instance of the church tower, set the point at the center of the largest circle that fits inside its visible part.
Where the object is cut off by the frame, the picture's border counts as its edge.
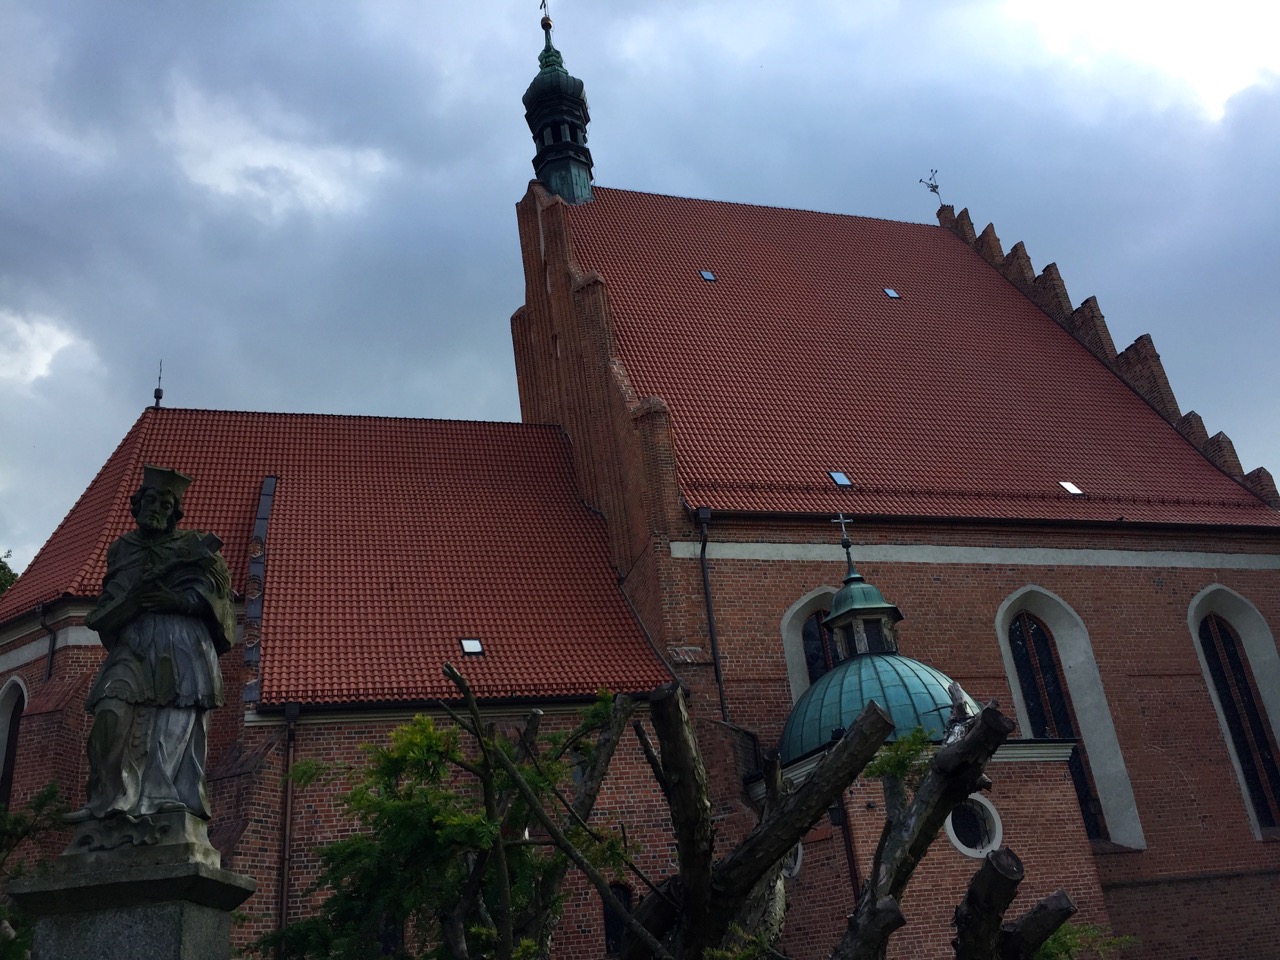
(556, 111)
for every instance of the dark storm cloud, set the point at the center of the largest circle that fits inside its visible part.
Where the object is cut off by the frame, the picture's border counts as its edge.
(308, 207)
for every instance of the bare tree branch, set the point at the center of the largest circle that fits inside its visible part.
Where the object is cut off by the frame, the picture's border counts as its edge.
(503, 913)
(651, 755)
(574, 854)
(1021, 939)
(454, 923)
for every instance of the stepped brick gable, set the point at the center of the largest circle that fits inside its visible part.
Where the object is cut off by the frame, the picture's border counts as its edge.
(958, 398)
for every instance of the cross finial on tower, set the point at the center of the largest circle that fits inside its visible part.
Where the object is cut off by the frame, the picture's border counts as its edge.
(158, 393)
(844, 532)
(852, 574)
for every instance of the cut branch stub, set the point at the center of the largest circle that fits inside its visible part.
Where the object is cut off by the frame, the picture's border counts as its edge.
(956, 772)
(870, 927)
(981, 912)
(1021, 939)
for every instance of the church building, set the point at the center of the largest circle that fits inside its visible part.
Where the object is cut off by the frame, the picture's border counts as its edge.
(712, 396)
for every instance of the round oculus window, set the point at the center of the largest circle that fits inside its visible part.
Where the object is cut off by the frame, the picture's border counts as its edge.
(974, 827)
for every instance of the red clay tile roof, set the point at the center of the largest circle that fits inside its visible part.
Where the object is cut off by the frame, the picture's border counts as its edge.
(960, 399)
(389, 540)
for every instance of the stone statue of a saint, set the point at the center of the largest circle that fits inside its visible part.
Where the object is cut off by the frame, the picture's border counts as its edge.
(165, 615)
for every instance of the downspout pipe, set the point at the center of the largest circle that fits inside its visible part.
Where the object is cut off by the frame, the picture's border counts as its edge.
(703, 515)
(42, 610)
(292, 712)
(839, 814)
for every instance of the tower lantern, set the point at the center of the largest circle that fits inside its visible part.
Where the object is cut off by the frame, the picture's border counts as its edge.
(556, 111)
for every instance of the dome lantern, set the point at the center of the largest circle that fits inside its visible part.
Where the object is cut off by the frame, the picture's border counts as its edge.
(860, 616)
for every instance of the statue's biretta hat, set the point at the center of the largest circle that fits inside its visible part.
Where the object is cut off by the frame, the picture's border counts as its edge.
(162, 478)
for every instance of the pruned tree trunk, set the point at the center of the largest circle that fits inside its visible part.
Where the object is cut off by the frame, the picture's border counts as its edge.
(698, 907)
(1021, 939)
(981, 933)
(740, 886)
(981, 912)
(764, 910)
(690, 799)
(910, 827)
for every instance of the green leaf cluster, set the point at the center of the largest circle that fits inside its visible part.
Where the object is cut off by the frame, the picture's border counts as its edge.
(905, 759)
(1082, 941)
(421, 826)
(7, 576)
(42, 814)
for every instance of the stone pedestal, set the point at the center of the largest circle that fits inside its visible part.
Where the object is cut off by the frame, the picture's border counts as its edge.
(149, 889)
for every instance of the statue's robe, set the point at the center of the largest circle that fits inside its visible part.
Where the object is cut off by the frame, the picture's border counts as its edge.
(160, 678)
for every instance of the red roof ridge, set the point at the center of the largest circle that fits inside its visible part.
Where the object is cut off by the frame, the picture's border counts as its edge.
(302, 414)
(754, 206)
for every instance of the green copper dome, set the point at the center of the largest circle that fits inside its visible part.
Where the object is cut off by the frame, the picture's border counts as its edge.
(915, 695)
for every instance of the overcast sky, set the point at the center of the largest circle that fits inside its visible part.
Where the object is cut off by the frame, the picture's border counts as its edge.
(308, 206)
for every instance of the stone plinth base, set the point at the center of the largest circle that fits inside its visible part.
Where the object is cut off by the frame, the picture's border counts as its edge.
(178, 911)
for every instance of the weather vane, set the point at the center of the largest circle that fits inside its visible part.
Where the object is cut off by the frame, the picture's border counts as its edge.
(159, 393)
(932, 184)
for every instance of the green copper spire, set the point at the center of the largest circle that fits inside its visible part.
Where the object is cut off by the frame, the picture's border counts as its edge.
(549, 58)
(556, 111)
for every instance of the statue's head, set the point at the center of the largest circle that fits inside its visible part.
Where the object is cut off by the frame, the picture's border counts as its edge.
(157, 506)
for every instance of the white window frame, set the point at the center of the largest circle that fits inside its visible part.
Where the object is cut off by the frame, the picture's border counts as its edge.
(1093, 713)
(1260, 648)
(792, 627)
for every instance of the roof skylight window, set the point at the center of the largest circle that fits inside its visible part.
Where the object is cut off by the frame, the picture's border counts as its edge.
(708, 276)
(471, 646)
(892, 294)
(840, 478)
(1071, 488)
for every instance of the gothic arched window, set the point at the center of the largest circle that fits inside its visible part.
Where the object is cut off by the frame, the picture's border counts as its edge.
(1044, 693)
(12, 703)
(1245, 717)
